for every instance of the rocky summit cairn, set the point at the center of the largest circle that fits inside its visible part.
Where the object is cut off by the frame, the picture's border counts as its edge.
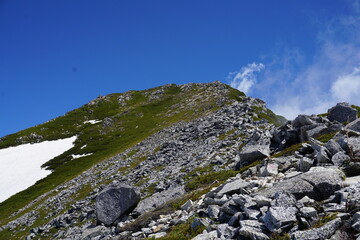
(342, 112)
(114, 202)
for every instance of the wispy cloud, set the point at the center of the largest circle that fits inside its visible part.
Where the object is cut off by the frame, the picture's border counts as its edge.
(245, 78)
(292, 86)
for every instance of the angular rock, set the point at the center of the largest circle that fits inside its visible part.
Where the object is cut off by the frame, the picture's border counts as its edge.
(340, 158)
(322, 156)
(113, 202)
(159, 198)
(333, 147)
(225, 231)
(213, 211)
(318, 183)
(237, 186)
(320, 233)
(283, 199)
(96, 232)
(207, 236)
(342, 112)
(252, 233)
(305, 164)
(200, 222)
(280, 217)
(262, 201)
(302, 120)
(186, 206)
(308, 212)
(354, 125)
(157, 235)
(252, 153)
(316, 131)
(270, 169)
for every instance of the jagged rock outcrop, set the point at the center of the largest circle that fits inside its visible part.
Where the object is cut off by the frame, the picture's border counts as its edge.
(342, 112)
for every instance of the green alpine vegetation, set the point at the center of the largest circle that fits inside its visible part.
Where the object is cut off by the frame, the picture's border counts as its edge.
(109, 125)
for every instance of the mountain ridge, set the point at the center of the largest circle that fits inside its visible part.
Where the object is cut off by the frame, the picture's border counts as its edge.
(224, 148)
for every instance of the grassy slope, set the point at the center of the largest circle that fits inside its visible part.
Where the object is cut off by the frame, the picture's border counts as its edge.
(130, 124)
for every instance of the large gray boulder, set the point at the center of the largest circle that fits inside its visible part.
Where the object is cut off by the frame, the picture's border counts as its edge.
(319, 183)
(159, 198)
(251, 153)
(302, 120)
(113, 202)
(342, 112)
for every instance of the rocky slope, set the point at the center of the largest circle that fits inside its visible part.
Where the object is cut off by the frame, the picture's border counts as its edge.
(222, 170)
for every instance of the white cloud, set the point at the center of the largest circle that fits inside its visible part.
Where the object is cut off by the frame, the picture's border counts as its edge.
(292, 84)
(245, 78)
(347, 87)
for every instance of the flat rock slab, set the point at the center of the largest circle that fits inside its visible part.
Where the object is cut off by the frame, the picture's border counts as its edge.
(237, 186)
(319, 184)
(157, 199)
(113, 202)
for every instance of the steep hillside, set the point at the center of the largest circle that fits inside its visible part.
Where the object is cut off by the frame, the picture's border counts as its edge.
(185, 135)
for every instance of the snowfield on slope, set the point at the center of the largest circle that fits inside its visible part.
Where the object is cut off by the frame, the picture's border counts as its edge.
(20, 165)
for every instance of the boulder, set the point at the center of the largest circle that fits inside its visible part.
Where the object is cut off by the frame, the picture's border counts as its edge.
(279, 218)
(333, 147)
(340, 158)
(237, 186)
(252, 233)
(213, 211)
(319, 183)
(320, 233)
(252, 153)
(305, 164)
(354, 125)
(159, 198)
(302, 120)
(342, 112)
(113, 202)
(269, 169)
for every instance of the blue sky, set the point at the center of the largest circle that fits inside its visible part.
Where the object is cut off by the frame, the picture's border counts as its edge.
(298, 56)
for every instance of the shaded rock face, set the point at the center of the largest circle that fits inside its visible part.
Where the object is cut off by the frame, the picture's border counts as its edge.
(342, 112)
(114, 202)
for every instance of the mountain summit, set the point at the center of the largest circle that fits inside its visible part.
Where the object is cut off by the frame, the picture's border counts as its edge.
(194, 161)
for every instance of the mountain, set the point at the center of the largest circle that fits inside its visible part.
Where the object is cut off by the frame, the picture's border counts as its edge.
(199, 161)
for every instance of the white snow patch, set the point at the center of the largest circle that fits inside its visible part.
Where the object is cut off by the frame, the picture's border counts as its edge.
(80, 155)
(21, 165)
(92, 121)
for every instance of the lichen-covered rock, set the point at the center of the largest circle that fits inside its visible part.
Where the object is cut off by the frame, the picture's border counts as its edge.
(320, 233)
(280, 217)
